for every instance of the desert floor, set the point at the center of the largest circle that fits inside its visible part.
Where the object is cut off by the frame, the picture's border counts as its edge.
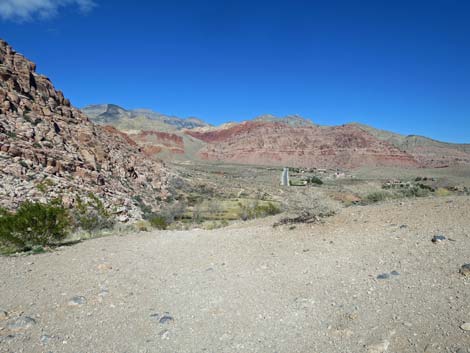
(252, 288)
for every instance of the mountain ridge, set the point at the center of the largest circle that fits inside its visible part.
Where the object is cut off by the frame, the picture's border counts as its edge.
(250, 135)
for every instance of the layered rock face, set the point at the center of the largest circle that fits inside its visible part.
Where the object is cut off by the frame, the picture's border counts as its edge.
(42, 136)
(267, 143)
(154, 142)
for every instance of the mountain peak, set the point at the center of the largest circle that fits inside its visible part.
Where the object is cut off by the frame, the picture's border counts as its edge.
(293, 120)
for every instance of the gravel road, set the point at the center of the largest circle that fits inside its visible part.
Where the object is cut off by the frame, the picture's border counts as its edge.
(369, 279)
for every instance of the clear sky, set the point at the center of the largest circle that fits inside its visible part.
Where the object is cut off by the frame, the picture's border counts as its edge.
(397, 65)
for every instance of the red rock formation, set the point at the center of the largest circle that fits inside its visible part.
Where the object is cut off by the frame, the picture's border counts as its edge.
(113, 130)
(43, 136)
(313, 146)
(164, 138)
(156, 142)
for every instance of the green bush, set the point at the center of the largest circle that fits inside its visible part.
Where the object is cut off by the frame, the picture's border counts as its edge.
(268, 209)
(315, 180)
(377, 196)
(92, 216)
(34, 224)
(158, 222)
(415, 191)
(256, 210)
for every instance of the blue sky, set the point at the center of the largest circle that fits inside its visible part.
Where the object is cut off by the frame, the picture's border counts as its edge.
(397, 65)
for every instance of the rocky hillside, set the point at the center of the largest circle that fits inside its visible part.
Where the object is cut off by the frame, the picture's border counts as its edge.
(277, 143)
(160, 136)
(50, 149)
(426, 151)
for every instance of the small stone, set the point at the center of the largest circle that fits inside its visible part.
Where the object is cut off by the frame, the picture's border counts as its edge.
(45, 339)
(383, 276)
(77, 301)
(465, 270)
(395, 273)
(465, 326)
(438, 238)
(104, 267)
(3, 314)
(104, 292)
(21, 323)
(165, 319)
(164, 334)
(378, 347)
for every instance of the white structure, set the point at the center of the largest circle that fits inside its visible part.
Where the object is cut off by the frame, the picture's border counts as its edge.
(285, 177)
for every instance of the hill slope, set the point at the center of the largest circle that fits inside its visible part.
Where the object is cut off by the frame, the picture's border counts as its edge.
(268, 143)
(42, 136)
(427, 151)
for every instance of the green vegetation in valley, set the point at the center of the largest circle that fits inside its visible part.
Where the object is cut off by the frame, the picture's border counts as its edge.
(33, 224)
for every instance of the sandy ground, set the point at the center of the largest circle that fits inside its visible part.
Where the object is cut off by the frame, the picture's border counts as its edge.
(252, 288)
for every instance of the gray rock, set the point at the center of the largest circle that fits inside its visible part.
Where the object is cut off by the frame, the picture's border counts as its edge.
(21, 323)
(77, 301)
(395, 273)
(378, 347)
(45, 339)
(465, 326)
(383, 276)
(465, 270)
(3, 314)
(165, 319)
(438, 238)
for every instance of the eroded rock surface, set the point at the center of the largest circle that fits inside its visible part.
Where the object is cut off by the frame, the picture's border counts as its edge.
(43, 137)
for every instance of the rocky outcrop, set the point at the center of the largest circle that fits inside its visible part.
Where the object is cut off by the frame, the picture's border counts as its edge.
(154, 142)
(267, 143)
(43, 137)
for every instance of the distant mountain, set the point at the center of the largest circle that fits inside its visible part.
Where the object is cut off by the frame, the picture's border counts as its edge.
(159, 135)
(291, 120)
(138, 119)
(270, 140)
(279, 143)
(427, 151)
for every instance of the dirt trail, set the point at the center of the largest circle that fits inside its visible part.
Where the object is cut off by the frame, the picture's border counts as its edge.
(252, 288)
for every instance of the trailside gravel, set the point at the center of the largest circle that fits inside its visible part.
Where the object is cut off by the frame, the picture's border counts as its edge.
(369, 279)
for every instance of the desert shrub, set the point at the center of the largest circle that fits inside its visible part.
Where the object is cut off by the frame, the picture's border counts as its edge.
(443, 192)
(268, 209)
(414, 191)
(257, 210)
(146, 210)
(159, 222)
(173, 211)
(45, 185)
(215, 225)
(315, 180)
(197, 212)
(376, 196)
(34, 224)
(214, 207)
(91, 215)
(142, 226)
